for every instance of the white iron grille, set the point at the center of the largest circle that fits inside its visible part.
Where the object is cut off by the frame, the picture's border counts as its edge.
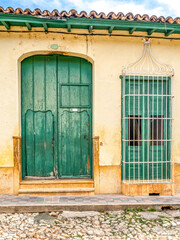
(147, 129)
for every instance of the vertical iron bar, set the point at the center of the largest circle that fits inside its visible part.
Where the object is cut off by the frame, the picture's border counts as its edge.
(45, 158)
(138, 143)
(33, 86)
(57, 161)
(148, 130)
(157, 142)
(171, 114)
(170, 124)
(166, 124)
(172, 128)
(124, 163)
(152, 128)
(162, 124)
(143, 135)
(129, 112)
(134, 112)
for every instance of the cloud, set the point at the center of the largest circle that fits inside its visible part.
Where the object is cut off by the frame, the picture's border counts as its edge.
(172, 7)
(116, 6)
(124, 7)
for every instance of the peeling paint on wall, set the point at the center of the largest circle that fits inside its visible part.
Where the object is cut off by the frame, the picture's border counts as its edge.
(6, 149)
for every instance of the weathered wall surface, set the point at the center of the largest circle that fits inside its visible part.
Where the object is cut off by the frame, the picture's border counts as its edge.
(177, 178)
(108, 55)
(6, 180)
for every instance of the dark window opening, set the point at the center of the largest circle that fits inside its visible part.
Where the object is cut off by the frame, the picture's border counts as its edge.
(134, 130)
(157, 130)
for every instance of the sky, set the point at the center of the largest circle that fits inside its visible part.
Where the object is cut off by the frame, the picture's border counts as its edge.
(151, 7)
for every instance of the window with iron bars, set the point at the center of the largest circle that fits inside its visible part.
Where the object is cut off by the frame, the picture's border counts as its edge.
(146, 129)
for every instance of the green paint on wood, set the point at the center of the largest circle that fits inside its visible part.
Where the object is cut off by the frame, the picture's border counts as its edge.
(131, 30)
(69, 27)
(28, 25)
(111, 29)
(56, 116)
(45, 26)
(6, 24)
(86, 23)
(150, 32)
(74, 141)
(169, 32)
(39, 137)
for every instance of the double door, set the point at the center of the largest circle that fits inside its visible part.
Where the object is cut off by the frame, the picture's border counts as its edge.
(56, 117)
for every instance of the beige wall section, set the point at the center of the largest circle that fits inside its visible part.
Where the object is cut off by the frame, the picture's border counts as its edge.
(177, 178)
(110, 179)
(6, 180)
(108, 55)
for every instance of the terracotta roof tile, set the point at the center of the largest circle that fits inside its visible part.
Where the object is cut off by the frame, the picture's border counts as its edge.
(93, 14)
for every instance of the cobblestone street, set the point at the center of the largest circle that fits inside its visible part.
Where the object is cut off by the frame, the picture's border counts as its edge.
(124, 224)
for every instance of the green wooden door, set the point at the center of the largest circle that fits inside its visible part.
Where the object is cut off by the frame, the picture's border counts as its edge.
(75, 118)
(56, 116)
(146, 128)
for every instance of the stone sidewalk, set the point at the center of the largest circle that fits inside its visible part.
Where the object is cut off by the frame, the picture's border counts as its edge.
(14, 203)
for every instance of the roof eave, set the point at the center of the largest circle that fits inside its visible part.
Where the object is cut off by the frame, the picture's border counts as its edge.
(8, 20)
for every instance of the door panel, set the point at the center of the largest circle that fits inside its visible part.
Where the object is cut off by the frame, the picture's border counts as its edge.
(74, 142)
(39, 144)
(74, 95)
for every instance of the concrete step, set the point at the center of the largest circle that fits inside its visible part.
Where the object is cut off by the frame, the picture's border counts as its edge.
(46, 187)
(56, 191)
(59, 184)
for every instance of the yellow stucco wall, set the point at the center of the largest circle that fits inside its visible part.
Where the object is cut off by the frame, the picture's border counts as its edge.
(108, 55)
(6, 180)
